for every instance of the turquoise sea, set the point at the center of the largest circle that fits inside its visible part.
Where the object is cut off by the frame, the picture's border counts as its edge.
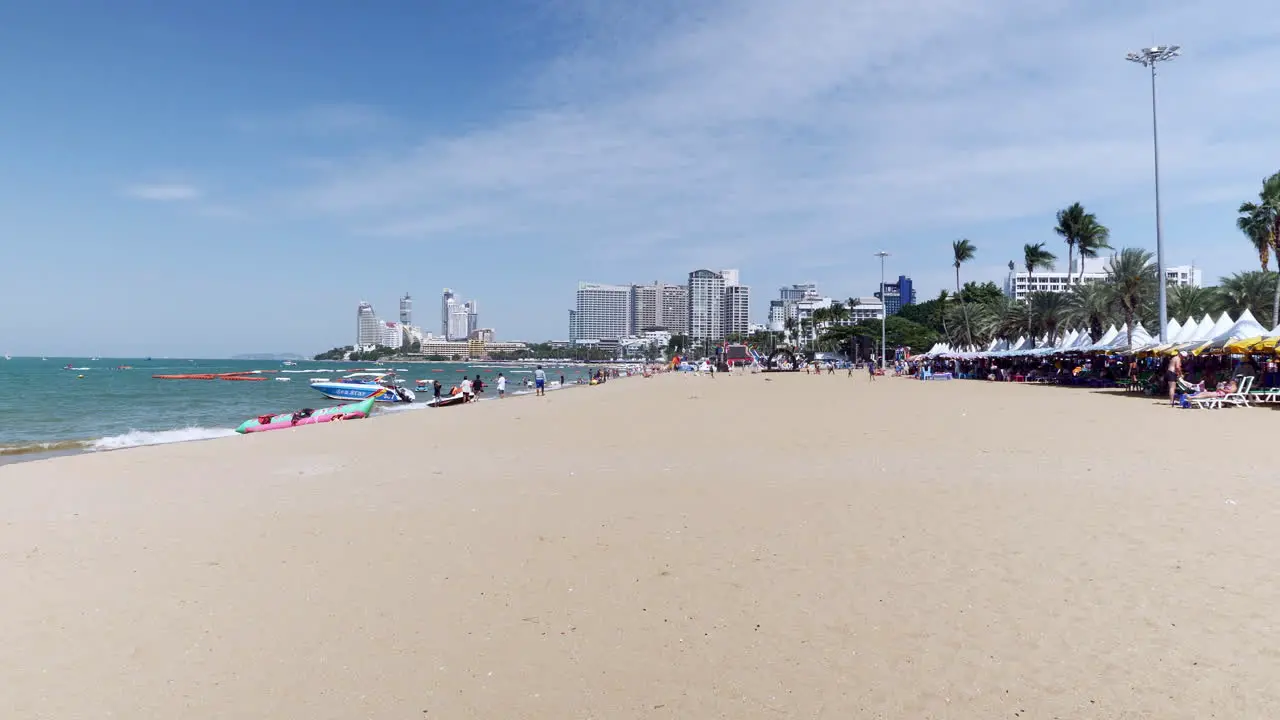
(59, 405)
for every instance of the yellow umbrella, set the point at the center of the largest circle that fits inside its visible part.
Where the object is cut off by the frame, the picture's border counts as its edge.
(1243, 346)
(1267, 344)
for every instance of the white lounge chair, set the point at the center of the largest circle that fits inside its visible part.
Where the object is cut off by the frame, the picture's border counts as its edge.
(1241, 396)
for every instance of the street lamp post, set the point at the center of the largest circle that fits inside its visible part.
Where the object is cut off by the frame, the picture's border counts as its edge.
(1148, 57)
(884, 308)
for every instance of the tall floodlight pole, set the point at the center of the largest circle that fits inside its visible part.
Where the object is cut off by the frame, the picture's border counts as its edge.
(1148, 57)
(883, 306)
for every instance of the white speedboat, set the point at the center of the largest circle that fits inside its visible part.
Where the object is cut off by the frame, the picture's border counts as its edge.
(380, 386)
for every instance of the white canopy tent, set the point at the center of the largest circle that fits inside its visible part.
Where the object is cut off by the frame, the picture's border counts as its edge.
(1246, 327)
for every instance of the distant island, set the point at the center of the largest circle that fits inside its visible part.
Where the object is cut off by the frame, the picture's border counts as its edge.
(268, 356)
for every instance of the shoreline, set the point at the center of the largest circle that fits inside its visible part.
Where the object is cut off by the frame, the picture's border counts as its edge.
(134, 439)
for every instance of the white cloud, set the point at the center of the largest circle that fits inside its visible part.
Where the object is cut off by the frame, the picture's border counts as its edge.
(767, 134)
(163, 193)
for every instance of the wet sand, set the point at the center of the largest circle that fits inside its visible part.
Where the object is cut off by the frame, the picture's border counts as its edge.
(740, 547)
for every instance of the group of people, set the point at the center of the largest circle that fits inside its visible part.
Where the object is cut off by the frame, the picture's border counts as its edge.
(472, 389)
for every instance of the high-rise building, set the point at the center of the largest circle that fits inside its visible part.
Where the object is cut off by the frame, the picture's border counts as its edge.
(659, 306)
(602, 312)
(674, 307)
(646, 307)
(457, 328)
(406, 310)
(446, 300)
(787, 306)
(368, 328)
(473, 316)
(778, 314)
(736, 310)
(897, 295)
(706, 305)
(392, 334)
(730, 277)
(798, 292)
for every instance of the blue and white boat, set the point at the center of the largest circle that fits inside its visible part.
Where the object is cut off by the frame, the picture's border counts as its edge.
(363, 385)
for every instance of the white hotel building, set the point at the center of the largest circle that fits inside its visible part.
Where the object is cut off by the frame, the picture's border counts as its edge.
(1019, 284)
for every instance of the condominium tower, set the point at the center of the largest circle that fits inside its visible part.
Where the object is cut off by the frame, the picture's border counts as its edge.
(706, 305)
(406, 310)
(659, 307)
(368, 328)
(446, 300)
(601, 312)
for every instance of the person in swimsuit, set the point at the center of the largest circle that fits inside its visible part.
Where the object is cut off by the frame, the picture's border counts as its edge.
(1171, 376)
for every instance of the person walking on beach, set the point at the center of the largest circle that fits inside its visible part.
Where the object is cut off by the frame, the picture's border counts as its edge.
(540, 381)
(435, 389)
(478, 385)
(466, 389)
(871, 369)
(1171, 376)
(561, 382)
(502, 386)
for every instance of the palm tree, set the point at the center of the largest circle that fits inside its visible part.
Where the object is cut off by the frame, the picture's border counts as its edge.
(1256, 226)
(1047, 310)
(943, 297)
(962, 251)
(1090, 306)
(1131, 279)
(789, 329)
(1003, 319)
(1260, 221)
(1035, 257)
(1070, 219)
(1081, 229)
(1191, 301)
(1250, 291)
(1093, 237)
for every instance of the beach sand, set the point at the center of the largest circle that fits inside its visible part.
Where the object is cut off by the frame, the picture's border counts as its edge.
(797, 547)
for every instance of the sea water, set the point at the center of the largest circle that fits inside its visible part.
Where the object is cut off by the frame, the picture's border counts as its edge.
(113, 403)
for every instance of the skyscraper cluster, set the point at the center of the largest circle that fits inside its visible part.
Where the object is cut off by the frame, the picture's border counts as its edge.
(373, 331)
(710, 306)
(458, 319)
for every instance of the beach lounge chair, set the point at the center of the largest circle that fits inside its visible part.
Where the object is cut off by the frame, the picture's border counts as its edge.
(1265, 395)
(1192, 396)
(1244, 383)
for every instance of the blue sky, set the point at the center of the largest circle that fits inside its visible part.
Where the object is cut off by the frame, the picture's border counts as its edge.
(214, 178)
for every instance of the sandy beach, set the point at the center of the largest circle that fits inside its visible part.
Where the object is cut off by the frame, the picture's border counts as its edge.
(739, 547)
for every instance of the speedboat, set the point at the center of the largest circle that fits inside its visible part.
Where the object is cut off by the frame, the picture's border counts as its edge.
(380, 386)
(447, 400)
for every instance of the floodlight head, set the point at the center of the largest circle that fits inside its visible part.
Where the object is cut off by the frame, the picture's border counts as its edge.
(1153, 55)
(882, 254)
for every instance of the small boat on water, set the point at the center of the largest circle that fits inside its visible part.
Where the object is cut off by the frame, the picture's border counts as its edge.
(307, 416)
(379, 386)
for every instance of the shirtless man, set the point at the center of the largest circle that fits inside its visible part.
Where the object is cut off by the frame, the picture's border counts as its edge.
(1171, 376)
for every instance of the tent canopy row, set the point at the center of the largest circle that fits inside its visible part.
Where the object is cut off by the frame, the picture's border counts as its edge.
(1242, 335)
